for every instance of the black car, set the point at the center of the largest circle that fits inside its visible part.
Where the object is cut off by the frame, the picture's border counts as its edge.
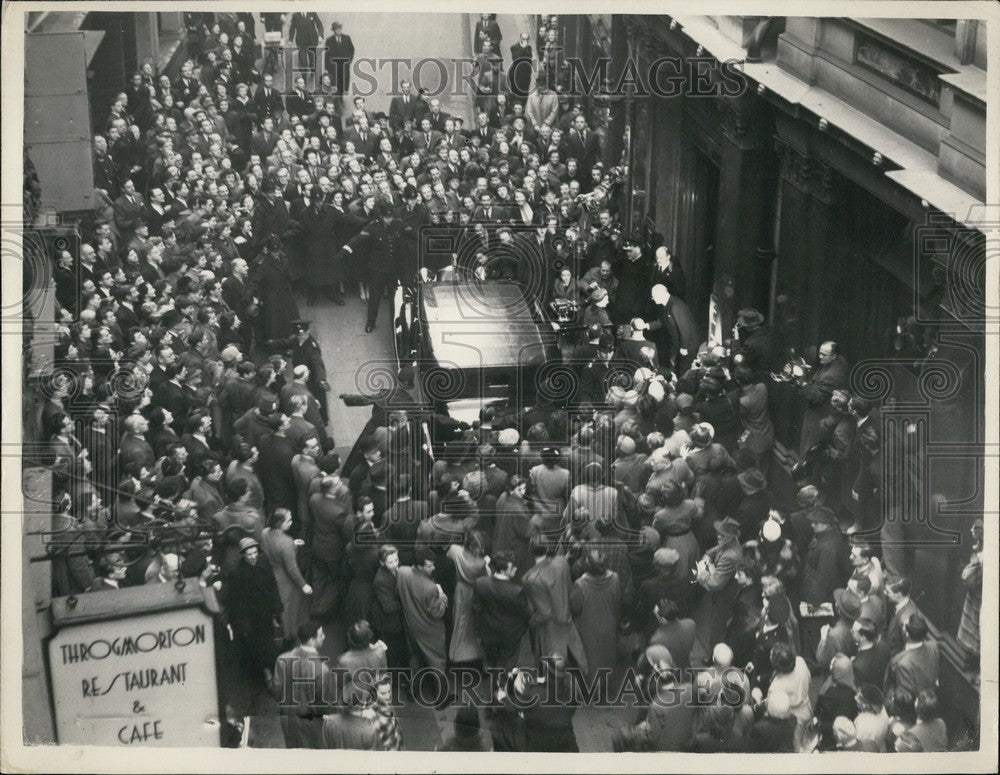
(473, 343)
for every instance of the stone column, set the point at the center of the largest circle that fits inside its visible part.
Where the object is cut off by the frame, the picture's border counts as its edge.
(743, 243)
(171, 23)
(807, 192)
(614, 142)
(147, 40)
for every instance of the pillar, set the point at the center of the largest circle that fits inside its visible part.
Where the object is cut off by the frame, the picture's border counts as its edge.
(614, 142)
(147, 40)
(743, 249)
(807, 193)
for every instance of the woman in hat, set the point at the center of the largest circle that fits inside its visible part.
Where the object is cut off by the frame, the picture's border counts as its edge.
(705, 455)
(596, 311)
(252, 604)
(674, 521)
(753, 410)
(268, 281)
(667, 471)
(774, 553)
(280, 550)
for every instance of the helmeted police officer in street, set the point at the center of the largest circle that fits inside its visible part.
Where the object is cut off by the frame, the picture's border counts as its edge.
(305, 352)
(384, 242)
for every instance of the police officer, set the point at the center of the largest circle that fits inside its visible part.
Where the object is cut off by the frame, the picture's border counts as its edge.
(305, 352)
(385, 246)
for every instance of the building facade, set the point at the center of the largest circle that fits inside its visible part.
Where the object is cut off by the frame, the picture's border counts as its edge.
(840, 191)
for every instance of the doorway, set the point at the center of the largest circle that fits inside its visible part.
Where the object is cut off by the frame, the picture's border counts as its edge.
(699, 254)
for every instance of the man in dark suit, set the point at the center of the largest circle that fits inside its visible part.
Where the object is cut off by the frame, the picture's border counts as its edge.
(339, 55)
(270, 215)
(158, 211)
(298, 103)
(915, 668)
(437, 116)
(402, 107)
(384, 242)
(872, 659)
(171, 396)
(486, 29)
(413, 215)
(679, 338)
(583, 144)
(296, 191)
(451, 139)
(106, 175)
(500, 610)
(426, 138)
(385, 154)
(264, 141)
(127, 297)
(185, 87)
(482, 130)
(129, 209)
(487, 212)
(825, 566)
(267, 101)
(831, 374)
(304, 31)
(897, 592)
(363, 138)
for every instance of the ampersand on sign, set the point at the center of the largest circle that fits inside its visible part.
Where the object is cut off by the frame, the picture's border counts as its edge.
(138, 707)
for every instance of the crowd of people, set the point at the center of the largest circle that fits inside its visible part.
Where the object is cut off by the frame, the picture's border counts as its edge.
(189, 431)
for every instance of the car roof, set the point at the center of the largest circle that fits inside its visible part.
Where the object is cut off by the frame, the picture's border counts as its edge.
(486, 324)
